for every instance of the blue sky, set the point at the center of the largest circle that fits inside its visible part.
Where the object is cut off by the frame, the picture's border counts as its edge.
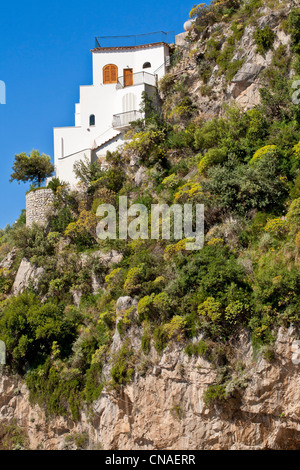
(44, 58)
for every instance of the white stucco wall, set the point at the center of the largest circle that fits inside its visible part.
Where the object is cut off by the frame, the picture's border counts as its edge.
(130, 58)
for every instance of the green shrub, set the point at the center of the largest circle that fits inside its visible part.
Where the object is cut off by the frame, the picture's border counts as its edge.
(166, 83)
(181, 139)
(233, 67)
(281, 59)
(148, 144)
(32, 242)
(257, 125)
(12, 437)
(225, 57)
(294, 29)
(61, 220)
(276, 289)
(93, 384)
(295, 189)
(205, 70)
(29, 328)
(240, 188)
(160, 338)
(197, 349)
(264, 39)
(214, 393)
(212, 157)
(213, 48)
(58, 391)
(146, 343)
(122, 370)
(155, 307)
(171, 181)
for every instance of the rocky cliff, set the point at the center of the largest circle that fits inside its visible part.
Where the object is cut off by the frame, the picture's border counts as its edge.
(164, 408)
(211, 360)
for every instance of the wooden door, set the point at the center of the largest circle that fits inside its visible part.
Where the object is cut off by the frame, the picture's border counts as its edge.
(128, 77)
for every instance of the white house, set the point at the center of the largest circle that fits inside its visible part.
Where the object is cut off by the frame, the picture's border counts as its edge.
(120, 75)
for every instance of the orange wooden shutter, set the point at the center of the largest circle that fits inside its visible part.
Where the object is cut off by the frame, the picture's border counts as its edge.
(113, 74)
(110, 74)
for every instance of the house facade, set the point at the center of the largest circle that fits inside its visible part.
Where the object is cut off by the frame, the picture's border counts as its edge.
(120, 75)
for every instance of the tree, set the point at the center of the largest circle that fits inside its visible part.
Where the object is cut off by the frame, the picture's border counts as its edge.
(87, 171)
(33, 167)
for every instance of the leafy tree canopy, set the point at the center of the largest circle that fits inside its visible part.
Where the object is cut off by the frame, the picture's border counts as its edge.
(33, 167)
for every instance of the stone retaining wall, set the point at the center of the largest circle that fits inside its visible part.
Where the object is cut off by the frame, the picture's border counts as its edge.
(38, 205)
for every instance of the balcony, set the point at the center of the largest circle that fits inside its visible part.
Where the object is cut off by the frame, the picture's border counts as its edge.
(122, 121)
(139, 78)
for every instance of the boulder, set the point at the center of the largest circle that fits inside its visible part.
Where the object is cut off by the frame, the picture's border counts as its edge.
(8, 261)
(27, 273)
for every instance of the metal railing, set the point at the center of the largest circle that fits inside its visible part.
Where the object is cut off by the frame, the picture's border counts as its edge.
(135, 40)
(138, 78)
(124, 119)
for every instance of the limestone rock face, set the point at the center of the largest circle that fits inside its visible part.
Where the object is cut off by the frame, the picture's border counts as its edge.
(26, 273)
(244, 86)
(245, 77)
(8, 261)
(140, 176)
(164, 408)
(107, 259)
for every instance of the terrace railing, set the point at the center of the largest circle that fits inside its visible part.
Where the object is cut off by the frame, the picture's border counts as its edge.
(123, 120)
(135, 40)
(138, 78)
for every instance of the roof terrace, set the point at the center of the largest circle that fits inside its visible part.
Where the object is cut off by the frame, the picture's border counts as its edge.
(138, 40)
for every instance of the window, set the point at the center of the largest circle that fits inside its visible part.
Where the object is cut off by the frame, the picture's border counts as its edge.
(110, 74)
(147, 65)
(92, 120)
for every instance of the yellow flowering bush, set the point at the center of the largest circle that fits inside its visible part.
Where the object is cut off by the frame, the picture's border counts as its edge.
(110, 279)
(197, 9)
(160, 280)
(171, 181)
(266, 151)
(212, 157)
(188, 192)
(134, 278)
(175, 328)
(144, 142)
(276, 226)
(210, 308)
(86, 222)
(178, 247)
(293, 215)
(215, 241)
(153, 307)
